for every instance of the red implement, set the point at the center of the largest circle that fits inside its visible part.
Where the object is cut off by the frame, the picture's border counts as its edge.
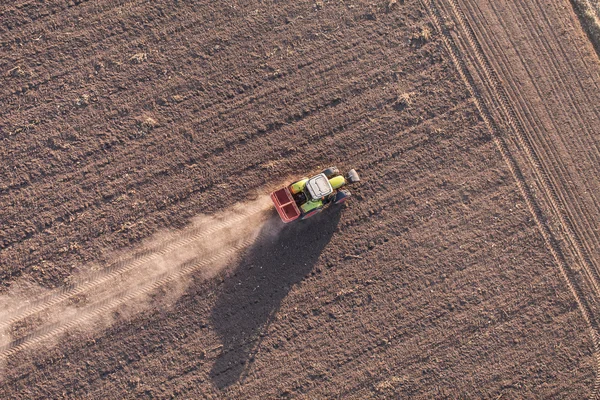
(285, 205)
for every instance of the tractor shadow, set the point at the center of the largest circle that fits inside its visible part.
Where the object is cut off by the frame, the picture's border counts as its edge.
(253, 291)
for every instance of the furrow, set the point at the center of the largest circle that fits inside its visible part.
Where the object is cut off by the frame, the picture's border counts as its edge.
(553, 246)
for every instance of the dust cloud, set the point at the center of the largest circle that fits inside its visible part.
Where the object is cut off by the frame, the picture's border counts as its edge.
(154, 274)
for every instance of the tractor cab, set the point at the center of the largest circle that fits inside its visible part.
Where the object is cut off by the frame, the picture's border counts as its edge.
(318, 187)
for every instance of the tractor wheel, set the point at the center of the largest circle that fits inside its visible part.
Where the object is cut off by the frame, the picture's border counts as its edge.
(331, 172)
(342, 196)
(311, 213)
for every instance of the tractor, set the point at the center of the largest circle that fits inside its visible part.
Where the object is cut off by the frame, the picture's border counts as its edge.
(310, 196)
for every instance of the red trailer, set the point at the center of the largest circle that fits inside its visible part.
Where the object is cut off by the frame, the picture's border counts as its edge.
(285, 205)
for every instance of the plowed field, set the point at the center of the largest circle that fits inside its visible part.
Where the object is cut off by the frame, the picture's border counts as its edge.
(139, 254)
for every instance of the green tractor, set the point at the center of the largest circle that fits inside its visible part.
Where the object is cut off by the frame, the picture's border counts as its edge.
(309, 196)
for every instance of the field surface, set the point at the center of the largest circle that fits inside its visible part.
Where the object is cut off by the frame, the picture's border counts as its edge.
(139, 257)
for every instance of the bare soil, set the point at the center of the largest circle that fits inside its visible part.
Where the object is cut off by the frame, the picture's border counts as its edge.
(465, 265)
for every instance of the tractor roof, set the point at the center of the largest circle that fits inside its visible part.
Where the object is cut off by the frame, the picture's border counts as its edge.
(319, 186)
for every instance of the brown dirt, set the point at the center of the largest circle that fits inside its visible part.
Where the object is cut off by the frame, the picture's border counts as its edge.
(465, 266)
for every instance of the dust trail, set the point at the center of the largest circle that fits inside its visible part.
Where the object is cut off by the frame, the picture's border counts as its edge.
(166, 242)
(157, 275)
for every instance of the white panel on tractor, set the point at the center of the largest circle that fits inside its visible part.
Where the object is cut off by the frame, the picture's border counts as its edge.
(319, 186)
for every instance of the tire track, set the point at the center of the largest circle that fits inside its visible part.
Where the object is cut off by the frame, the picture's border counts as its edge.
(550, 154)
(402, 135)
(561, 85)
(19, 344)
(592, 155)
(568, 274)
(111, 303)
(546, 182)
(222, 108)
(158, 171)
(572, 201)
(388, 225)
(120, 267)
(571, 229)
(561, 199)
(406, 335)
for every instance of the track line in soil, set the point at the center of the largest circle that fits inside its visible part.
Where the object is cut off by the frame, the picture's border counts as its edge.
(350, 224)
(72, 214)
(573, 200)
(525, 144)
(222, 108)
(114, 270)
(546, 180)
(553, 246)
(574, 203)
(390, 244)
(110, 303)
(550, 154)
(543, 175)
(118, 268)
